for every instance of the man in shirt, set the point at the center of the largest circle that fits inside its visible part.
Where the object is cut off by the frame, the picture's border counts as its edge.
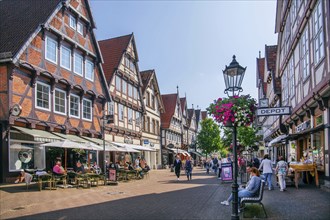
(177, 166)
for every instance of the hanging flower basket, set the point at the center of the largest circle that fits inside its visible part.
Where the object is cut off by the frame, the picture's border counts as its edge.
(235, 110)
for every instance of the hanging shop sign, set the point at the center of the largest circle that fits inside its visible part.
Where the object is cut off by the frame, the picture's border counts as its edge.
(303, 126)
(286, 110)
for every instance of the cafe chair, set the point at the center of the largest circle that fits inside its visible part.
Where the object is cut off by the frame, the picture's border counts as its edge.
(48, 179)
(59, 178)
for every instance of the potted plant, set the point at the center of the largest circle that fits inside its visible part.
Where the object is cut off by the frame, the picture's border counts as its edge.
(234, 110)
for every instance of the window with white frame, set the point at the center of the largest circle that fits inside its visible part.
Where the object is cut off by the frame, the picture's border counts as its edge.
(124, 91)
(73, 22)
(291, 77)
(118, 83)
(318, 33)
(135, 93)
(78, 64)
(285, 92)
(80, 28)
(43, 96)
(111, 108)
(89, 73)
(51, 49)
(66, 57)
(304, 42)
(130, 115)
(60, 101)
(130, 90)
(120, 112)
(87, 109)
(74, 106)
(137, 118)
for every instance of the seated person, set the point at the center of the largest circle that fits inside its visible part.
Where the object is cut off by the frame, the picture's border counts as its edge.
(21, 177)
(146, 168)
(130, 167)
(117, 166)
(251, 189)
(79, 168)
(58, 169)
(96, 168)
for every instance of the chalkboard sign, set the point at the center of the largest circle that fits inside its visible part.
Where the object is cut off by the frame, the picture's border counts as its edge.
(226, 172)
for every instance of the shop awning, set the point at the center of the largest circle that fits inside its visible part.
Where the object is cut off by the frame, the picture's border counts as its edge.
(139, 147)
(108, 146)
(35, 135)
(277, 139)
(197, 153)
(125, 147)
(71, 137)
(179, 151)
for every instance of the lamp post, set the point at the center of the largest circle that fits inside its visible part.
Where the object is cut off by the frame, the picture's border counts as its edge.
(109, 119)
(233, 76)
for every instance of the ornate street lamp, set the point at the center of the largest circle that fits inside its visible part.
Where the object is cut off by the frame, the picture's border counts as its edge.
(233, 75)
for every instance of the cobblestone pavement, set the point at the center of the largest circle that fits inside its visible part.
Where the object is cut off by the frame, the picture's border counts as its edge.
(160, 196)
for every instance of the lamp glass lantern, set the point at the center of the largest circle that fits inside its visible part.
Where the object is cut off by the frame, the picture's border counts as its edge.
(233, 76)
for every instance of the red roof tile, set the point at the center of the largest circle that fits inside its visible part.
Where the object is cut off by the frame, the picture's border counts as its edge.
(183, 103)
(261, 73)
(112, 51)
(170, 102)
(145, 77)
(204, 115)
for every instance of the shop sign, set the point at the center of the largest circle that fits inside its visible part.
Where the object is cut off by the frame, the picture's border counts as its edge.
(286, 110)
(145, 141)
(303, 126)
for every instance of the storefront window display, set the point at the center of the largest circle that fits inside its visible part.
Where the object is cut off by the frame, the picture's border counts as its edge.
(318, 150)
(26, 156)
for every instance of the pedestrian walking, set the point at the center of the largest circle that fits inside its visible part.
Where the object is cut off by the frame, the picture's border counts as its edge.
(207, 166)
(177, 166)
(281, 170)
(219, 167)
(215, 164)
(267, 170)
(188, 168)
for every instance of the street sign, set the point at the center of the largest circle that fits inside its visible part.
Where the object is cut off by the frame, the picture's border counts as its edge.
(286, 110)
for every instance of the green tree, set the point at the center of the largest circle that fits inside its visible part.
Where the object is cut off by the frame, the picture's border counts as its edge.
(246, 136)
(208, 139)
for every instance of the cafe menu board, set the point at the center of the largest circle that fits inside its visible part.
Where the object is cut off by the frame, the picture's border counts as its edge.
(226, 172)
(112, 175)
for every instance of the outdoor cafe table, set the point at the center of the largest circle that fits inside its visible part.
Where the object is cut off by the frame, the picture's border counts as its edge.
(302, 167)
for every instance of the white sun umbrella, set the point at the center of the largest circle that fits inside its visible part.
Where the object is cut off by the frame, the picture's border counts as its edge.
(125, 148)
(65, 144)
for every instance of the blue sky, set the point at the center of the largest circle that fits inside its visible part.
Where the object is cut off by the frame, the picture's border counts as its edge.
(189, 43)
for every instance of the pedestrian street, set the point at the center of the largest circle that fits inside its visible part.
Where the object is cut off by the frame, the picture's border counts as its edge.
(160, 196)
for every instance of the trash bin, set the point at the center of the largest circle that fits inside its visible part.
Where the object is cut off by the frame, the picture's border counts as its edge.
(172, 168)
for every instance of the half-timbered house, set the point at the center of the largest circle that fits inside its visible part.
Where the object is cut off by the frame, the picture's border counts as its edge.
(303, 61)
(154, 107)
(52, 84)
(124, 80)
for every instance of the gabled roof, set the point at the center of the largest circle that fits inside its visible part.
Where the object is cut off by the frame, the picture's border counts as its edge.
(191, 112)
(197, 113)
(112, 51)
(146, 77)
(204, 115)
(183, 102)
(270, 60)
(170, 103)
(19, 20)
(270, 57)
(261, 73)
